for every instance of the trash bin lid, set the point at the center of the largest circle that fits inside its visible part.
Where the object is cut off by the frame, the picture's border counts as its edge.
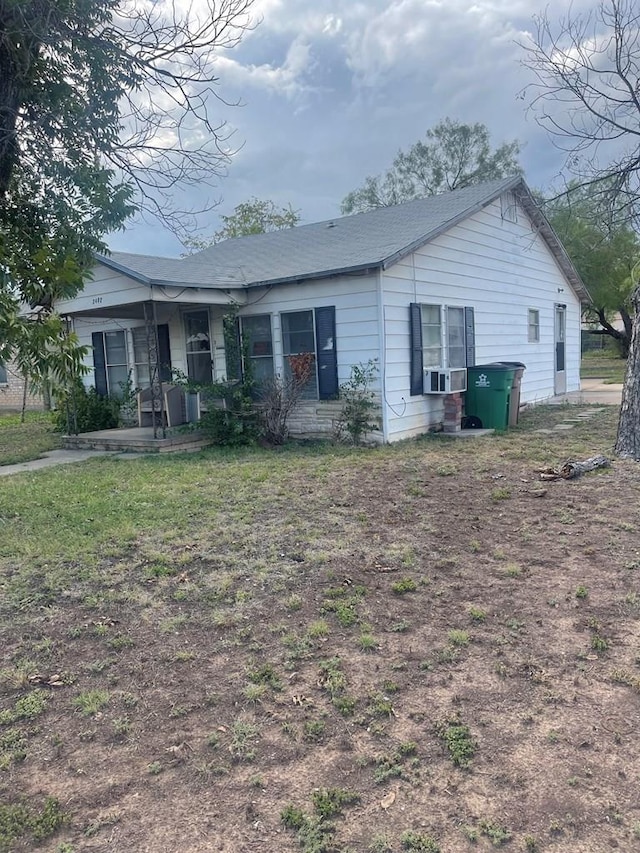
(494, 365)
(513, 364)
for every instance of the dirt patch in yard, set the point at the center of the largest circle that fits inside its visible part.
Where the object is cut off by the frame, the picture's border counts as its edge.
(413, 648)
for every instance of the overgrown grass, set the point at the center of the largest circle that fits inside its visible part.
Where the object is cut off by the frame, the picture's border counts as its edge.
(22, 442)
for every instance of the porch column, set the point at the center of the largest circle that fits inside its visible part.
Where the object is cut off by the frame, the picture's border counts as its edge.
(153, 347)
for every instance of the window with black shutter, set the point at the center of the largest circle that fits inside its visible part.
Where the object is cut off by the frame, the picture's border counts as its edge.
(313, 331)
(440, 337)
(141, 355)
(110, 362)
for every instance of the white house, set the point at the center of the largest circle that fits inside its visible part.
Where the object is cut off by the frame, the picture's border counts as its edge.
(468, 277)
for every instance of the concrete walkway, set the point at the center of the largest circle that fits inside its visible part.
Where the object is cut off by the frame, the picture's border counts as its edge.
(53, 457)
(592, 391)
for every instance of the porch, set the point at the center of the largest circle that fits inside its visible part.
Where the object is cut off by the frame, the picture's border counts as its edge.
(137, 440)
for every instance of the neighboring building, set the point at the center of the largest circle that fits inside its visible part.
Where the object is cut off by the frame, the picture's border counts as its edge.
(472, 276)
(12, 390)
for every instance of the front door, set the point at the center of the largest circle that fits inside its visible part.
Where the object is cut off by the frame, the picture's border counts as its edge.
(199, 355)
(560, 373)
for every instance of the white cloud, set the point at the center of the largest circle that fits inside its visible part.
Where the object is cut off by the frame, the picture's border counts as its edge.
(288, 79)
(332, 89)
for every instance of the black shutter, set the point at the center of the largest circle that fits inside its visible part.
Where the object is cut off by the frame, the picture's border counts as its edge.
(99, 365)
(470, 336)
(415, 329)
(164, 353)
(326, 353)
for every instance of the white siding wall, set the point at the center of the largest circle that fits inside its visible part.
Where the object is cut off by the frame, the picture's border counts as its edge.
(354, 298)
(172, 315)
(501, 268)
(105, 288)
(109, 289)
(355, 301)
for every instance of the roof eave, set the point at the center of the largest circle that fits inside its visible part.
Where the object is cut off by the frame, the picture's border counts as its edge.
(330, 273)
(163, 282)
(114, 265)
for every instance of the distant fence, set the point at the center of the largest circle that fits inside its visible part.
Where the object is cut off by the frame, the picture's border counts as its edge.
(596, 343)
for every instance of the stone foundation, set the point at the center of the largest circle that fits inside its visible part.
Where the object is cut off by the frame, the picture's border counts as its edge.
(319, 418)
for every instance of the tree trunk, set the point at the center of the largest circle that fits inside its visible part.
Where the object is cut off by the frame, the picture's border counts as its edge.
(628, 329)
(628, 441)
(622, 337)
(25, 391)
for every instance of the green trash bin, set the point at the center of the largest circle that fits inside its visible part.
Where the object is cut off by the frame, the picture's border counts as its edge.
(488, 395)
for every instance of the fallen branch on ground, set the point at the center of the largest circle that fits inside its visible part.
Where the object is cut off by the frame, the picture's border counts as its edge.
(571, 470)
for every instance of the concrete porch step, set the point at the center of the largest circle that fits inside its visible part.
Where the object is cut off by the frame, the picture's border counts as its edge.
(136, 440)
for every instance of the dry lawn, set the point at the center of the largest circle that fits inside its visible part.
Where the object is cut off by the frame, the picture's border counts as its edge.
(414, 648)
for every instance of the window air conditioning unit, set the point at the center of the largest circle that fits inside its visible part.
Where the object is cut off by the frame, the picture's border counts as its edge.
(445, 381)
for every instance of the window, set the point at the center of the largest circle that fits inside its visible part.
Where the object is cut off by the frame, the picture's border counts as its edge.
(431, 336)
(3, 375)
(441, 337)
(298, 338)
(456, 343)
(438, 349)
(199, 359)
(256, 334)
(509, 207)
(141, 355)
(313, 331)
(110, 362)
(534, 326)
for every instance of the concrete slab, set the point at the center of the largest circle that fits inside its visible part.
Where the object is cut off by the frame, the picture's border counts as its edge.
(467, 433)
(136, 440)
(591, 391)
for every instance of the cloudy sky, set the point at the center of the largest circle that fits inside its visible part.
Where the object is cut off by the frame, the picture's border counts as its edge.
(331, 89)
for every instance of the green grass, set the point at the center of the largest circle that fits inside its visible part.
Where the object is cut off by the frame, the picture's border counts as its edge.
(458, 741)
(22, 442)
(603, 365)
(19, 821)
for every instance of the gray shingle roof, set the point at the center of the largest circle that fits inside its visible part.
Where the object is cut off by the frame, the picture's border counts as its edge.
(154, 270)
(350, 243)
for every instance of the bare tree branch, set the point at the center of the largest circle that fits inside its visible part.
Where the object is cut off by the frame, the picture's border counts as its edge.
(587, 95)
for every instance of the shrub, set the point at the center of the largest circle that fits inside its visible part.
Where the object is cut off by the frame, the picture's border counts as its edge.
(279, 397)
(234, 423)
(84, 410)
(358, 404)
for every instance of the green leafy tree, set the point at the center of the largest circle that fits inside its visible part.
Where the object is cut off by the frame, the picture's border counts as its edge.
(255, 216)
(453, 156)
(604, 254)
(104, 106)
